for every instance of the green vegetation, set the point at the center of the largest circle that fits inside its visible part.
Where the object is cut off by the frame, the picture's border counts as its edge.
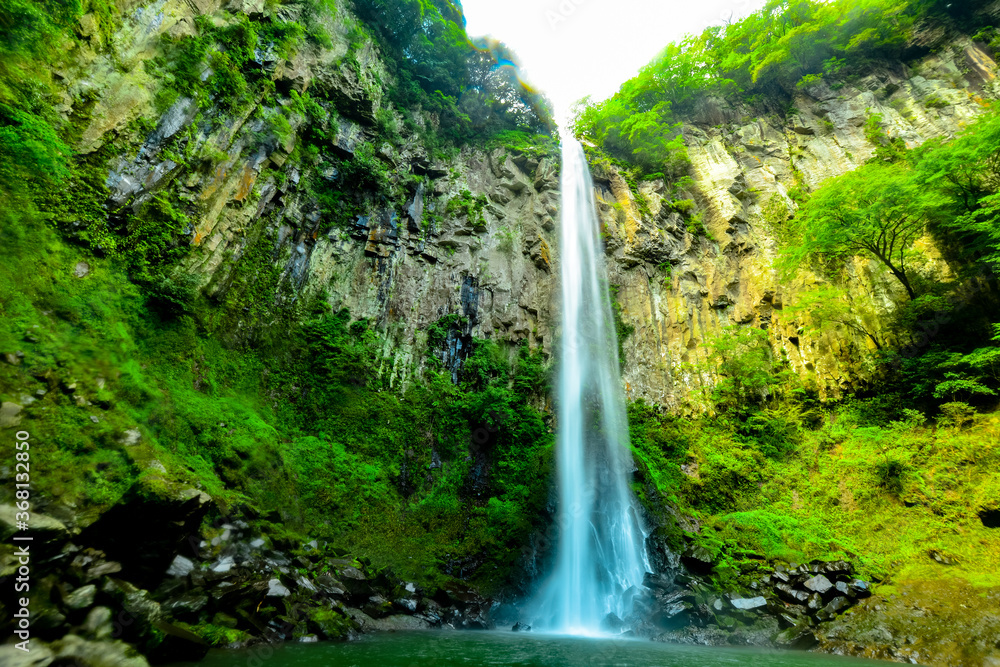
(896, 477)
(260, 398)
(465, 204)
(879, 210)
(303, 422)
(759, 61)
(944, 192)
(876, 486)
(265, 397)
(474, 88)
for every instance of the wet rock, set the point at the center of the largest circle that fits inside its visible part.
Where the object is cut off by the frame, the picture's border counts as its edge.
(98, 624)
(276, 589)
(818, 584)
(837, 567)
(797, 637)
(81, 598)
(520, 627)
(180, 567)
(836, 605)
(859, 588)
(698, 559)
(156, 512)
(658, 581)
(355, 581)
(39, 656)
(330, 586)
(791, 594)
(612, 623)
(41, 527)
(748, 604)
(377, 607)
(406, 604)
(185, 605)
(74, 650)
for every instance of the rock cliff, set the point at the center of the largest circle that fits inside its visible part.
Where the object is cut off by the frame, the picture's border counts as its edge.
(680, 281)
(468, 233)
(681, 275)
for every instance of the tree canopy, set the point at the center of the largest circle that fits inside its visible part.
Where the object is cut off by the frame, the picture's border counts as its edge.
(475, 86)
(759, 60)
(878, 210)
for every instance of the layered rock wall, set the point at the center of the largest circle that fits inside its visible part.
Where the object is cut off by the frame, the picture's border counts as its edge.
(679, 286)
(401, 264)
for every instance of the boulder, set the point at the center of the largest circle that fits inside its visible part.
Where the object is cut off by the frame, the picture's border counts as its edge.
(276, 589)
(612, 623)
(330, 586)
(798, 637)
(836, 605)
(158, 513)
(859, 588)
(698, 559)
(791, 594)
(42, 528)
(75, 650)
(185, 605)
(81, 598)
(818, 584)
(747, 604)
(98, 624)
(10, 414)
(180, 567)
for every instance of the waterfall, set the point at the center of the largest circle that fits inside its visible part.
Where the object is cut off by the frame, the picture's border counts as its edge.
(601, 556)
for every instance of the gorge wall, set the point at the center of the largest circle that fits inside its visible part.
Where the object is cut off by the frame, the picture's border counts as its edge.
(401, 264)
(744, 170)
(405, 264)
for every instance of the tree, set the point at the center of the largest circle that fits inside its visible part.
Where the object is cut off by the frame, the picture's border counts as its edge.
(834, 306)
(967, 172)
(879, 210)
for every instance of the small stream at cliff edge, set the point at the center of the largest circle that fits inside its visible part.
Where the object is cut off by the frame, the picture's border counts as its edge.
(471, 648)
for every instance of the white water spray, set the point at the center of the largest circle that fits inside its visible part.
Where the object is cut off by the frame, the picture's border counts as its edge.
(601, 556)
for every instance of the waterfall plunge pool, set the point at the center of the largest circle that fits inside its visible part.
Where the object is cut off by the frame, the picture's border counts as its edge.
(475, 648)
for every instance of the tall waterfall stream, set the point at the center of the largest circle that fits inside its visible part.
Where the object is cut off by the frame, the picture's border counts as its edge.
(601, 558)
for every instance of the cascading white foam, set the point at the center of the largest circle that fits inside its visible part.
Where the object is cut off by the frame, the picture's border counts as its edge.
(601, 554)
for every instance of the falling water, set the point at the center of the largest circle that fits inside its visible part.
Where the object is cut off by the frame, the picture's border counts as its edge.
(601, 557)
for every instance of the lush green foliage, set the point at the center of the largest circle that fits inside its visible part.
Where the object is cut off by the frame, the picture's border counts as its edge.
(760, 60)
(944, 191)
(474, 88)
(260, 400)
(878, 210)
(882, 495)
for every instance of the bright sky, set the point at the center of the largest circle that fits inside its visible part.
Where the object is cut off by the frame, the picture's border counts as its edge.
(572, 48)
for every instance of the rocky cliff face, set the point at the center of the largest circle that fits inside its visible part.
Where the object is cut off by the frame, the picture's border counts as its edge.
(405, 264)
(401, 264)
(680, 285)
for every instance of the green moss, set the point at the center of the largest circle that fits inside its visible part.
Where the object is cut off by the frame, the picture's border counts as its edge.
(882, 497)
(469, 206)
(217, 635)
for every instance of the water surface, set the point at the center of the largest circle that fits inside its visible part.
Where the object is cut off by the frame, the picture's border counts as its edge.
(419, 649)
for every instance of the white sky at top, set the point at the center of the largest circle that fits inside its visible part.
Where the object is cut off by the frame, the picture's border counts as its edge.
(572, 48)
